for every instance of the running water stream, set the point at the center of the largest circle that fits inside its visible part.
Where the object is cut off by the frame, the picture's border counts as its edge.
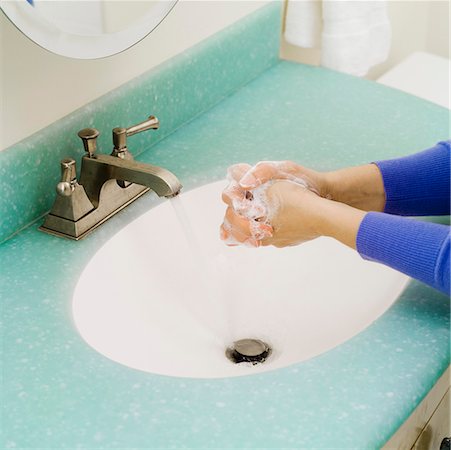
(209, 306)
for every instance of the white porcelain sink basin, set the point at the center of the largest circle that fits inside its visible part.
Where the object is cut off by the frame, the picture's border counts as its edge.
(148, 302)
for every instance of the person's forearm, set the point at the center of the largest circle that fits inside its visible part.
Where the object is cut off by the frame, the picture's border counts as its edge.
(339, 221)
(416, 248)
(361, 187)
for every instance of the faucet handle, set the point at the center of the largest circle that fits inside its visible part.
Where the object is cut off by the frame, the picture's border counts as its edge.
(120, 134)
(89, 138)
(152, 123)
(68, 178)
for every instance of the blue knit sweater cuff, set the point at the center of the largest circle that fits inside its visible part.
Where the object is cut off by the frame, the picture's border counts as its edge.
(418, 249)
(419, 184)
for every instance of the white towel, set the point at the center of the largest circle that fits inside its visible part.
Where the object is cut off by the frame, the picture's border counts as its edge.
(303, 23)
(353, 35)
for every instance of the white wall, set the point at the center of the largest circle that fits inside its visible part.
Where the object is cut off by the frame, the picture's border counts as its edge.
(416, 26)
(38, 87)
(438, 37)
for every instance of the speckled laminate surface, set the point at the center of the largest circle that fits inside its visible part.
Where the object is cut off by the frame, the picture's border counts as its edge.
(60, 393)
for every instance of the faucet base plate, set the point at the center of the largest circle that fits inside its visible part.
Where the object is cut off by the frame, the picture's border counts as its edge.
(76, 230)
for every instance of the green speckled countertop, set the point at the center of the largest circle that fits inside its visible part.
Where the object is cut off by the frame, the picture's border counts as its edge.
(60, 393)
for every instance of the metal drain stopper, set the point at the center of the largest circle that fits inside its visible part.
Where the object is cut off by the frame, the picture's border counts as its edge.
(253, 351)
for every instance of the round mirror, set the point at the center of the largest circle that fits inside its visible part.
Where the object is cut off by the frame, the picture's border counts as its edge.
(86, 29)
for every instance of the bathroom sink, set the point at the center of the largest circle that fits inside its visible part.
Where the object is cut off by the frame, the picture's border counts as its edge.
(166, 296)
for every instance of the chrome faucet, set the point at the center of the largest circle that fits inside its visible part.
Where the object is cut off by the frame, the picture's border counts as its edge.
(108, 183)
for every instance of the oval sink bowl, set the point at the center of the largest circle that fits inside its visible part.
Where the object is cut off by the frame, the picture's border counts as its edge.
(163, 299)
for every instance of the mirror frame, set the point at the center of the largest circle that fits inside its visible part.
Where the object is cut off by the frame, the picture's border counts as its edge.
(53, 39)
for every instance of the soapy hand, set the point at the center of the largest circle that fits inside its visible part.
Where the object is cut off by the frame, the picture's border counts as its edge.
(276, 208)
(265, 171)
(245, 221)
(244, 177)
(361, 187)
(247, 185)
(295, 214)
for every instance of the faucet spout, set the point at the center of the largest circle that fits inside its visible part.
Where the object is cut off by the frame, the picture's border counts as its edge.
(99, 169)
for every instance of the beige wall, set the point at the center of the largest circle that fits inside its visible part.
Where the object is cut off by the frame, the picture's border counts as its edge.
(416, 26)
(38, 87)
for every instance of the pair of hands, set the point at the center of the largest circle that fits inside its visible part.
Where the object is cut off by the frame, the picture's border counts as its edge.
(273, 203)
(283, 203)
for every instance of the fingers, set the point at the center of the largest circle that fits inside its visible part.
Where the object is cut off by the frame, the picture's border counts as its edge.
(265, 171)
(239, 230)
(236, 230)
(259, 174)
(233, 192)
(237, 171)
(238, 198)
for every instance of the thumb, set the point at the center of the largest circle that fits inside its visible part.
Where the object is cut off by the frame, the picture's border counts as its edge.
(260, 174)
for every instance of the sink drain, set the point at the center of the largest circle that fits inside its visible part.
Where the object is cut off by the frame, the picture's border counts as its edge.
(252, 351)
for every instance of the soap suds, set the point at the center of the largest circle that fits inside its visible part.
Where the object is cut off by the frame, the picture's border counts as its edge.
(253, 204)
(280, 172)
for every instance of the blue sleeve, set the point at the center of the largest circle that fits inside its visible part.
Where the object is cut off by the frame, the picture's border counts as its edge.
(418, 249)
(418, 185)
